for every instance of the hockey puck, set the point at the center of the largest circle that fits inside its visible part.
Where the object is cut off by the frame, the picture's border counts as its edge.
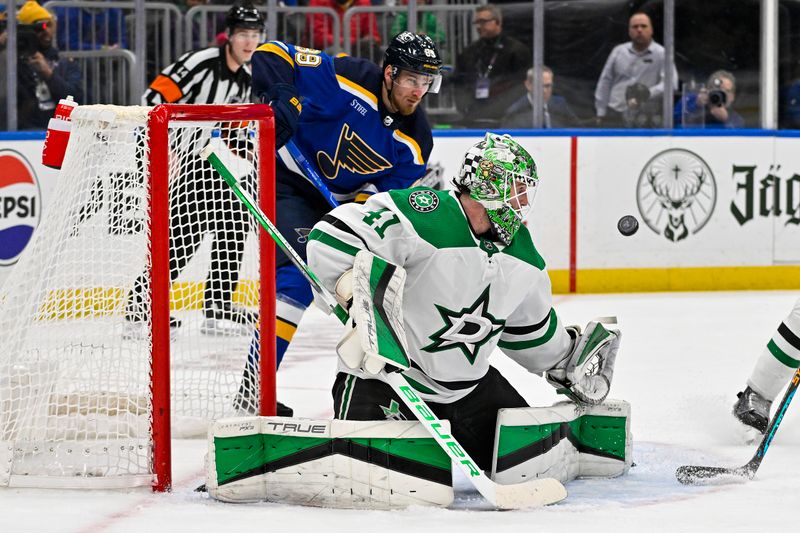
(628, 225)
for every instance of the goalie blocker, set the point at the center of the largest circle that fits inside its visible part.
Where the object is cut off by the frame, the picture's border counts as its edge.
(394, 464)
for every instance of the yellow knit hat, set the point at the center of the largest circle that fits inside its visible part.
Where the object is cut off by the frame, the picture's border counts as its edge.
(31, 12)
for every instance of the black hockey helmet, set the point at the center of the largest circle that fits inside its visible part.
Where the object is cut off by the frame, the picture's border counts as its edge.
(245, 16)
(417, 53)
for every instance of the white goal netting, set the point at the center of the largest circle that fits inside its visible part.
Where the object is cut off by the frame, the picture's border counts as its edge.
(75, 313)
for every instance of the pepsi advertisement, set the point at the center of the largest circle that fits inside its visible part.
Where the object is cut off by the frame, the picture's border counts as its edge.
(20, 204)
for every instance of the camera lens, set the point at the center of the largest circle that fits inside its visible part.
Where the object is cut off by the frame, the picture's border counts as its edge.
(717, 97)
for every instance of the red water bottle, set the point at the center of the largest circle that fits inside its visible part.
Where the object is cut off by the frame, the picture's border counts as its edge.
(55, 142)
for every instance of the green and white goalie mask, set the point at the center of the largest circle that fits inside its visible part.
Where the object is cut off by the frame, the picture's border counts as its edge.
(500, 175)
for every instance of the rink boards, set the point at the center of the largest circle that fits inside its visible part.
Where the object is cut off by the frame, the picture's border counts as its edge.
(715, 212)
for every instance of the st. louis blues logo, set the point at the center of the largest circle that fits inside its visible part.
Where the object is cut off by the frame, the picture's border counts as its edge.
(20, 205)
(353, 154)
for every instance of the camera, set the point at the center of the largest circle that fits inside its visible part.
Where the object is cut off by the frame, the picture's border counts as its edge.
(717, 97)
(27, 41)
(638, 92)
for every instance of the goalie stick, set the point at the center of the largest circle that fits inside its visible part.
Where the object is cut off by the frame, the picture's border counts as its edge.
(533, 493)
(696, 475)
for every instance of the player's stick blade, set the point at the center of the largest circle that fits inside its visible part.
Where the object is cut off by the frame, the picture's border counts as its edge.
(534, 493)
(713, 475)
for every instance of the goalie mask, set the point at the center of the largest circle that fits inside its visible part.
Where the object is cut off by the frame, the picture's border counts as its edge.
(500, 174)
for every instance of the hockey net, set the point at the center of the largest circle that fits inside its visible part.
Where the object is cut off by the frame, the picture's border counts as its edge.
(99, 349)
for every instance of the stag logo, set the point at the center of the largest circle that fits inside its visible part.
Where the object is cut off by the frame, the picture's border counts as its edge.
(676, 193)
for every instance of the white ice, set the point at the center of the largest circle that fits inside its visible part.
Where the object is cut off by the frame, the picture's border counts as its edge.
(683, 358)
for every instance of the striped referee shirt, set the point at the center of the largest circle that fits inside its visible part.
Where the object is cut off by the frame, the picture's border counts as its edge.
(200, 77)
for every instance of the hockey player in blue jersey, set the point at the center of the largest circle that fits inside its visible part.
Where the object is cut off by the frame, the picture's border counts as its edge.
(360, 125)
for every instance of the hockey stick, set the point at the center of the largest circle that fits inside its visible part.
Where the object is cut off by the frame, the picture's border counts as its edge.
(310, 173)
(696, 475)
(533, 493)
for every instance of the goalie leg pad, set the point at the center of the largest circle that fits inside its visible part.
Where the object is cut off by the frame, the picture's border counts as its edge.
(327, 463)
(565, 441)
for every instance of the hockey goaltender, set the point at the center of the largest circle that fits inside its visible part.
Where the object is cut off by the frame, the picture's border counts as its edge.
(465, 279)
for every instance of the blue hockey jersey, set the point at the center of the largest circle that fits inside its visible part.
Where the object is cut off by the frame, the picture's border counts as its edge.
(344, 128)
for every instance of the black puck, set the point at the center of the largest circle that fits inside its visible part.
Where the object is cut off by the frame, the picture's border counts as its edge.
(628, 225)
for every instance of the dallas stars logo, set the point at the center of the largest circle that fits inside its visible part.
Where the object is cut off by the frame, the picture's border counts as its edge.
(467, 330)
(393, 411)
(423, 201)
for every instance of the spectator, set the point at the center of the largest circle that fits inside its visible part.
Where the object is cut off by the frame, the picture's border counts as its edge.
(91, 28)
(427, 24)
(362, 26)
(488, 71)
(557, 112)
(629, 90)
(3, 69)
(711, 106)
(367, 48)
(789, 102)
(43, 78)
(204, 29)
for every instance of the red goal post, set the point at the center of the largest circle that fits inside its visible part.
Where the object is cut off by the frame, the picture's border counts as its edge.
(158, 125)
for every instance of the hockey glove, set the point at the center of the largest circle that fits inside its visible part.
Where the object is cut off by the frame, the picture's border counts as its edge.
(585, 375)
(377, 337)
(285, 104)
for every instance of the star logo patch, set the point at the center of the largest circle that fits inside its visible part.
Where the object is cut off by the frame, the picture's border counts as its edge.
(423, 201)
(467, 329)
(393, 411)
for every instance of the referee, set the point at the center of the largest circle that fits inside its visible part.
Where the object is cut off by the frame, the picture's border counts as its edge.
(200, 202)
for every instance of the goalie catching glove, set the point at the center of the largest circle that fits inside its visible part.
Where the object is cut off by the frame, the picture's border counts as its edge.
(585, 374)
(373, 291)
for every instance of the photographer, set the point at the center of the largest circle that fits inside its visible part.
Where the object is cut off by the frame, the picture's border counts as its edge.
(628, 92)
(43, 78)
(711, 106)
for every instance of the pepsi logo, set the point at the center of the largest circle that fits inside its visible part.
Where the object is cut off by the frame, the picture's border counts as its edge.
(20, 205)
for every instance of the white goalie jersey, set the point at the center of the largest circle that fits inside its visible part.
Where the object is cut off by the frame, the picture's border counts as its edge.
(464, 296)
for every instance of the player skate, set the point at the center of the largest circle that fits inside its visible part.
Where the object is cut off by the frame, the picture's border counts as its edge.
(752, 409)
(228, 320)
(246, 404)
(136, 329)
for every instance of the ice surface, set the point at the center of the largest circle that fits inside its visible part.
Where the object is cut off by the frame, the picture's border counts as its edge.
(683, 358)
